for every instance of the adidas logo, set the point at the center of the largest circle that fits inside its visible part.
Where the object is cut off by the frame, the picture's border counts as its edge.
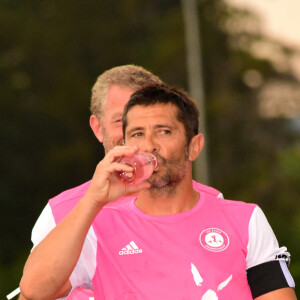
(131, 248)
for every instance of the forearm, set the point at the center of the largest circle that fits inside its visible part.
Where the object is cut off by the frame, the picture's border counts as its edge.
(50, 264)
(280, 294)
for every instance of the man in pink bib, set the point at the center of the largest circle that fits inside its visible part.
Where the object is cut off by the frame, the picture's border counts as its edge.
(169, 242)
(109, 95)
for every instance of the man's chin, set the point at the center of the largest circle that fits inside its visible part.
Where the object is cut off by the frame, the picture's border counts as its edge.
(161, 183)
(157, 185)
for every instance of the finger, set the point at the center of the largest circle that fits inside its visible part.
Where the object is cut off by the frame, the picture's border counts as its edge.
(109, 164)
(113, 172)
(120, 169)
(120, 151)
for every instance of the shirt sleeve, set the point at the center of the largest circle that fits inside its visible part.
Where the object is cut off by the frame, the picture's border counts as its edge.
(267, 263)
(44, 224)
(84, 270)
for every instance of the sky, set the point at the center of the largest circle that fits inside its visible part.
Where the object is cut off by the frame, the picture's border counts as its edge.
(280, 18)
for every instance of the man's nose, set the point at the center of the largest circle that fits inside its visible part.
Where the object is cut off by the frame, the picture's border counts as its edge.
(149, 144)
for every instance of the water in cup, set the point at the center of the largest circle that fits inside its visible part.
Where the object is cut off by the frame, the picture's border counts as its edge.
(143, 164)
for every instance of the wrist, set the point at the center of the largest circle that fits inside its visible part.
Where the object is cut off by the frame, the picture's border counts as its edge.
(93, 202)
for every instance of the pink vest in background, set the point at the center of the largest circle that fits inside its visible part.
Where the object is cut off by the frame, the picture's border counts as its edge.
(81, 294)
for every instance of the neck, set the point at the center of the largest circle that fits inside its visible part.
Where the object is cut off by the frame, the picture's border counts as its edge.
(169, 199)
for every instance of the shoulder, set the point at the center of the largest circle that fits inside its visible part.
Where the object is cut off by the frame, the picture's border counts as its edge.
(239, 210)
(237, 204)
(207, 189)
(237, 214)
(70, 195)
(231, 206)
(63, 203)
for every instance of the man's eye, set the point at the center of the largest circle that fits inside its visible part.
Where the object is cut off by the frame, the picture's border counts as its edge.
(137, 134)
(118, 120)
(165, 131)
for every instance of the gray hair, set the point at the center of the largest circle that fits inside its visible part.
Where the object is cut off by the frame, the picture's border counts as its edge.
(127, 76)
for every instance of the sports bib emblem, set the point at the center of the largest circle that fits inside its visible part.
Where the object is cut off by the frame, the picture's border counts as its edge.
(214, 239)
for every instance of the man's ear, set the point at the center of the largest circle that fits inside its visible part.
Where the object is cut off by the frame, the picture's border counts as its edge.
(96, 127)
(196, 145)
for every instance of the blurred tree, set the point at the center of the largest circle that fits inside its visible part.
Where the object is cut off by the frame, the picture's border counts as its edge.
(51, 54)
(251, 155)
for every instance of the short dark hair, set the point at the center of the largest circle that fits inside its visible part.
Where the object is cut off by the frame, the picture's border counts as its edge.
(188, 112)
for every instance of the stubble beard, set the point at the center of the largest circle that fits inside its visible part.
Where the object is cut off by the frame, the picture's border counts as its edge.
(176, 170)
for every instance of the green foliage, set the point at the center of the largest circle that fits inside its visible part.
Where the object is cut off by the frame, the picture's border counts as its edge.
(51, 54)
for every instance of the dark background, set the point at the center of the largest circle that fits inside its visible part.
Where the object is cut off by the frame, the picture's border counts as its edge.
(50, 56)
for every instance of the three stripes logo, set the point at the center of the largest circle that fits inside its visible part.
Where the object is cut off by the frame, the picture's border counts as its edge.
(131, 248)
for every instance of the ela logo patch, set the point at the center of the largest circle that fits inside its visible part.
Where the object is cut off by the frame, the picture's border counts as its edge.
(214, 239)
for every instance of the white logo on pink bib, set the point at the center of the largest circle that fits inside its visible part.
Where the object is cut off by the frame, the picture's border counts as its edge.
(214, 239)
(209, 294)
